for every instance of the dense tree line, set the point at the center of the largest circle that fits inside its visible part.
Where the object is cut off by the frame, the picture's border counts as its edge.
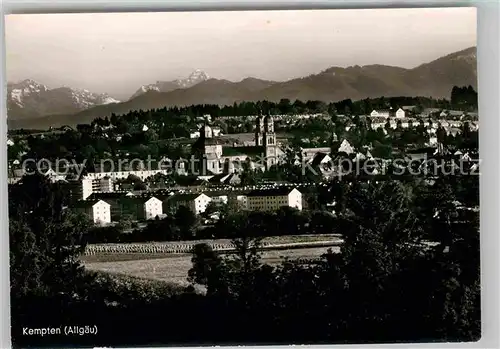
(287, 107)
(464, 98)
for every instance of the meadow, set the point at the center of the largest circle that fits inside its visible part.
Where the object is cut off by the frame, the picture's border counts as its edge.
(174, 268)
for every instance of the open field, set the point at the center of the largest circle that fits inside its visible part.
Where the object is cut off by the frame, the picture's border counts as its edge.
(175, 267)
(121, 257)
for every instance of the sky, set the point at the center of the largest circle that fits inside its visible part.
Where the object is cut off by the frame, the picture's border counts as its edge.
(116, 53)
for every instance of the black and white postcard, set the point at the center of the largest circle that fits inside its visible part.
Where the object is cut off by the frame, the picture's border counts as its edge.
(251, 177)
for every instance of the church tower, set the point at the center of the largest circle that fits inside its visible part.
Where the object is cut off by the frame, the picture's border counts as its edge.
(259, 131)
(270, 145)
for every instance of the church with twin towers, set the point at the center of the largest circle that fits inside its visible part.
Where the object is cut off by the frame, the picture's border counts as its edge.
(218, 158)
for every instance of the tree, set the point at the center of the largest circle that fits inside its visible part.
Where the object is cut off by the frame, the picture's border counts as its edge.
(291, 221)
(242, 265)
(284, 106)
(88, 152)
(463, 98)
(382, 151)
(46, 241)
(207, 269)
(187, 221)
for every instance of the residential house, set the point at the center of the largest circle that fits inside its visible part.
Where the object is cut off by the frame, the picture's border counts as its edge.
(461, 156)
(141, 207)
(420, 154)
(196, 202)
(218, 198)
(400, 113)
(380, 113)
(345, 147)
(115, 200)
(54, 176)
(98, 211)
(321, 159)
(152, 208)
(309, 153)
(323, 163)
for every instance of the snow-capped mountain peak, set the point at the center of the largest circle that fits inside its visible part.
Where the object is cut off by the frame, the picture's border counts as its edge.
(30, 98)
(153, 87)
(20, 90)
(194, 78)
(85, 99)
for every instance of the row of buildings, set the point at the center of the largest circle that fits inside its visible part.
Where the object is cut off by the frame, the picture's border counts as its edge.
(104, 208)
(400, 113)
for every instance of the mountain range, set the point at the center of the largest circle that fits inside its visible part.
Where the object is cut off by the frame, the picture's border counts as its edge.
(433, 79)
(30, 99)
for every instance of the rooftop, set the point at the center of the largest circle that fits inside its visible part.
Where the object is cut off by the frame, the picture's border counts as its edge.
(235, 151)
(86, 203)
(271, 192)
(184, 197)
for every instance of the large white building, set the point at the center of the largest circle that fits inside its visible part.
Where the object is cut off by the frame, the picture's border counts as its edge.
(97, 185)
(273, 199)
(103, 185)
(98, 211)
(242, 201)
(153, 207)
(142, 174)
